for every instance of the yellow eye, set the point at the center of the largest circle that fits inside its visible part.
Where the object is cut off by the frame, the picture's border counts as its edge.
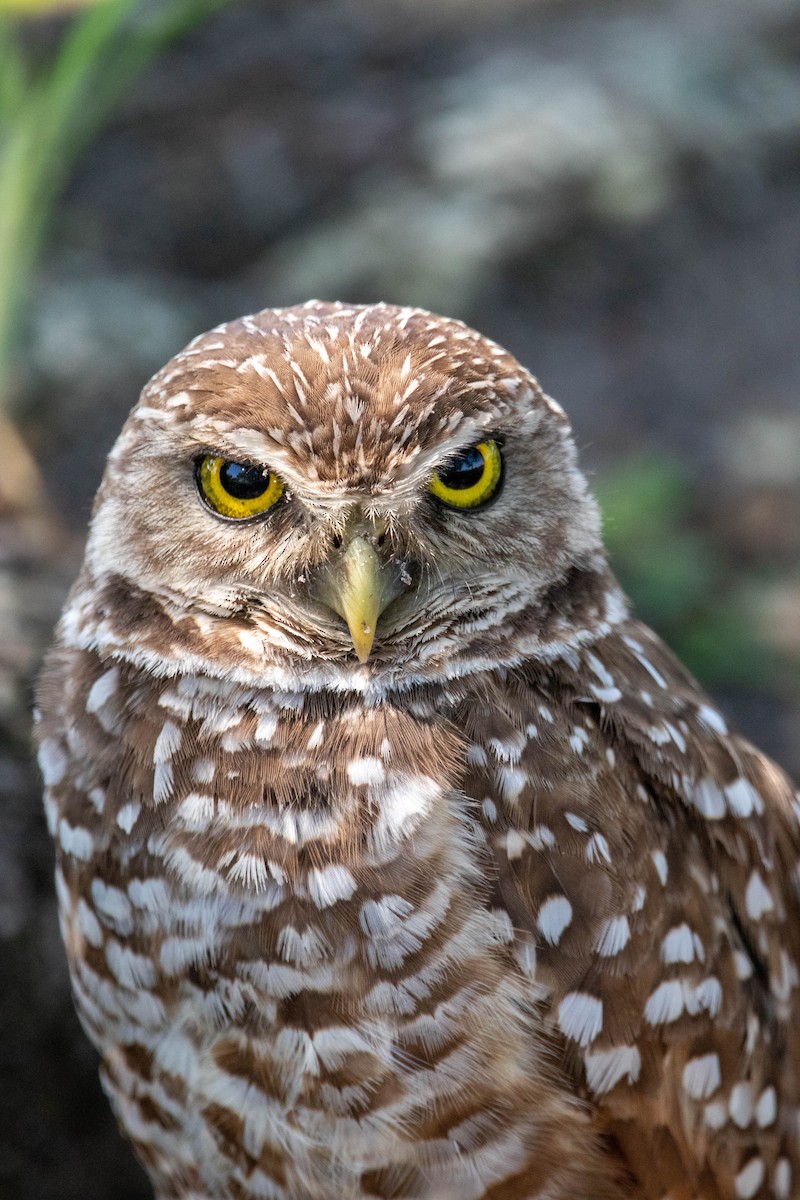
(237, 490)
(471, 478)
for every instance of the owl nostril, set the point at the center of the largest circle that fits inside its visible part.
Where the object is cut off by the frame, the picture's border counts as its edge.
(336, 541)
(380, 539)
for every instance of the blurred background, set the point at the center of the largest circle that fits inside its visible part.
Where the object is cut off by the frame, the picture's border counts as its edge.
(609, 189)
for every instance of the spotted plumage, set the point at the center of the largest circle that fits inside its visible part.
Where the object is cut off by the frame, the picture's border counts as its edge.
(394, 858)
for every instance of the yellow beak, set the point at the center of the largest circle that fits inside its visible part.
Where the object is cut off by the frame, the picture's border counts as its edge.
(361, 594)
(359, 586)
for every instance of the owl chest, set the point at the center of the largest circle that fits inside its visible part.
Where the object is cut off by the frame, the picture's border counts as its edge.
(289, 867)
(286, 940)
(323, 965)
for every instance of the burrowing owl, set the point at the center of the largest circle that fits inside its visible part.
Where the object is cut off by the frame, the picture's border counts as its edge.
(394, 858)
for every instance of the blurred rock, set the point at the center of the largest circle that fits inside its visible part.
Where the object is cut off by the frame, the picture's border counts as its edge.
(764, 448)
(782, 617)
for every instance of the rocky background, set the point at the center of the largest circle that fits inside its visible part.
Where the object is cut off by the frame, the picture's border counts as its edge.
(609, 189)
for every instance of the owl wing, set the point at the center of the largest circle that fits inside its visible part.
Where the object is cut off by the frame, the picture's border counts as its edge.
(647, 859)
(730, 1059)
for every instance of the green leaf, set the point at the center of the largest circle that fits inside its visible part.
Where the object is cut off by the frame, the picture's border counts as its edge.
(640, 495)
(13, 72)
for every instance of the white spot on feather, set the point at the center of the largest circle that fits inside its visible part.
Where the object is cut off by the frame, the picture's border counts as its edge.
(542, 836)
(97, 798)
(317, 735)
(716, 1114)
(702, 1076)
(327, 885)
(743, 964)
(553, 918)
(196, 811)
(708, 799)
(362, 771)
(676, 736)
(783, 1179)
(750, 1178)
(265, 729)
(580, 1017)
(743, 799)
(162, 782)
(152, 895)
(767, 1108)
(402, 804)
(782, 982)
(303, 949)
(512, 781)
(102, 690)
(681, 945)
(579, 740)
(613, 937)
(740, 1104)
(114, 906)
(178, 955)
(515, 844)
(660, 863)
(576, 822)
(506, 750)
(384, 916)
(525, 957)
(52, 762)
(476, 755)
(176, 1053)
(605, 1068)
(251, 871)
(502, 927)
(128, 815)
(203, 770)
(89, 925)
(706, 996)
(167, 742)
(599, 670)
(712, 719)
(75, 840)
(757, 897)
(666, 1003)
(129, 969)
(597, 849)
(640, 655)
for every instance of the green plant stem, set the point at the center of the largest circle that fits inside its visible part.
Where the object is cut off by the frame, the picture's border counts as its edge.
(46, 124)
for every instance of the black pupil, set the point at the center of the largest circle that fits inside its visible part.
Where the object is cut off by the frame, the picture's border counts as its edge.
(245, 483)
(465, 471)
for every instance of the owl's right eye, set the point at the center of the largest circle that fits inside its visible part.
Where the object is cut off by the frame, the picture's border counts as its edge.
(236, 490)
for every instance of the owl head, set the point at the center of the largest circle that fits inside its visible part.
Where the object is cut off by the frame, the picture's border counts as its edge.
(344, 493)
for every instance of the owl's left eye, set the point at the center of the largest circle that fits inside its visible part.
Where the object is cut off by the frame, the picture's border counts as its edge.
(471, 478)
(236, 490)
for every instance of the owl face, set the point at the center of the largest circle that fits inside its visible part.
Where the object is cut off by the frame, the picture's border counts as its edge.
(365, 487)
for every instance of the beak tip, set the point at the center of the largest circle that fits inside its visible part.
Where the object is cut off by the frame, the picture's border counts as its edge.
(362, 644)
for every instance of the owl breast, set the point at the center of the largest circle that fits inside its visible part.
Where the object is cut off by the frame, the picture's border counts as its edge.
(282, 944)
